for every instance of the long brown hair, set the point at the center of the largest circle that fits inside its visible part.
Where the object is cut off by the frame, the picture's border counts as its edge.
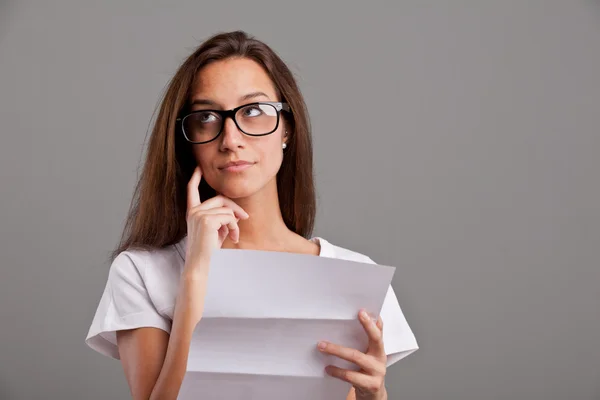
(157, 213)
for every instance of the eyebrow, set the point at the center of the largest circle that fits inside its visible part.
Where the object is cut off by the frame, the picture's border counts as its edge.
(207, 102)
(253, 95)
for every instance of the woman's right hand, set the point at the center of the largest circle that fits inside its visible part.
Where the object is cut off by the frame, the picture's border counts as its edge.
(208, 225)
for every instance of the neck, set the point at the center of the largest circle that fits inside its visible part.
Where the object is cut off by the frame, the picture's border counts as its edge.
(265, 228)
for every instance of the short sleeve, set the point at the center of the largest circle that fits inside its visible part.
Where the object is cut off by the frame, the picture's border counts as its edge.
(125, 304)
(398, 338)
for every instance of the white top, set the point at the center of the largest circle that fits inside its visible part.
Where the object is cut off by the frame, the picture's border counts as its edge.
(142, 287)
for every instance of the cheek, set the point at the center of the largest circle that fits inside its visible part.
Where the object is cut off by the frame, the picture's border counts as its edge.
(202, 155)
(271, 155)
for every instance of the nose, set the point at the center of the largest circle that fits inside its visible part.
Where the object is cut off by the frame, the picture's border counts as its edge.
(231, 137)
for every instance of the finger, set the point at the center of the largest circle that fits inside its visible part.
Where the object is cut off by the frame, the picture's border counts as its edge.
(380, 324)
(211, 211)
(374, 333)
(234, 231)
(223, 232)
(219, 218)
(222, 201)
(366, 362)
(368, 383)
(193, 194)
(230, 222)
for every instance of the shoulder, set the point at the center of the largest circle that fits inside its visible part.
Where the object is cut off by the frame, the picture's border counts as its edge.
(329, 249)
(147, 262)
(154, 271)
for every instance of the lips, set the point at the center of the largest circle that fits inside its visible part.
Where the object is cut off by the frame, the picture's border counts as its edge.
(234, 166)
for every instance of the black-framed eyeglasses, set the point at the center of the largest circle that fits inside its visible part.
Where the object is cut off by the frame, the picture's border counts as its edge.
(254, 119)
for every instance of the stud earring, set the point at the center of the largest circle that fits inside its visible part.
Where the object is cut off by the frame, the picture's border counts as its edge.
(284, 145)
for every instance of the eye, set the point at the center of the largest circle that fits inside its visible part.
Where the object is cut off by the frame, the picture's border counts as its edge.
(251, 111)
(207, 117)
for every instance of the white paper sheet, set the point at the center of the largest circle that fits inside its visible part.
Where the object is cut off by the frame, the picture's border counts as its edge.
(266, 311)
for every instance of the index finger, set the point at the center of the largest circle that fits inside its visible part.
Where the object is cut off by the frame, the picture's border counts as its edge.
(193, 195)
(222, 201)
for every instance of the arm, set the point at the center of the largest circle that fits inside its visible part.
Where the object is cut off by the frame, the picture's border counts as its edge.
(154, 361)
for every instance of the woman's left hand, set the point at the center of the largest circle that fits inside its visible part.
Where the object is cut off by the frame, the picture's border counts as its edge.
(369, 382)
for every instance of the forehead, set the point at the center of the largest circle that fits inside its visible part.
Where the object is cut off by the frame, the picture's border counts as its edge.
(226, 81)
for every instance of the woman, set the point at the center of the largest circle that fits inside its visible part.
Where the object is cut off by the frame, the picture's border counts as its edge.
(229, 165)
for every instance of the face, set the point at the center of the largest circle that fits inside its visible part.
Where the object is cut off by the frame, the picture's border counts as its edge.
(224, 85)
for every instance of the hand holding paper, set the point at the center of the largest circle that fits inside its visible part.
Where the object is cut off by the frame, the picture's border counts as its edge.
(264, 314)
(369, 382)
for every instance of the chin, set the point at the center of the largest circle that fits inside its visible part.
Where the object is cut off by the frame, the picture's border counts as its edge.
(237, 190)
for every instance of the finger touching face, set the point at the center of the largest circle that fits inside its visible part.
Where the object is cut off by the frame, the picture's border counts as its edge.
(193, 198)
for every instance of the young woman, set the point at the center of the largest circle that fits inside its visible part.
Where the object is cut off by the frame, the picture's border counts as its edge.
(229, 165)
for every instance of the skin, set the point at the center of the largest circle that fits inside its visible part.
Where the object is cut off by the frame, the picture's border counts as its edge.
(245, 215)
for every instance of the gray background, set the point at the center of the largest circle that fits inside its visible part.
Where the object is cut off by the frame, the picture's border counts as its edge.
(455, 140)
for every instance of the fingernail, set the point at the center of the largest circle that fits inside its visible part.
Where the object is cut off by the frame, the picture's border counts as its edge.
(322, 345)
(364, 315)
